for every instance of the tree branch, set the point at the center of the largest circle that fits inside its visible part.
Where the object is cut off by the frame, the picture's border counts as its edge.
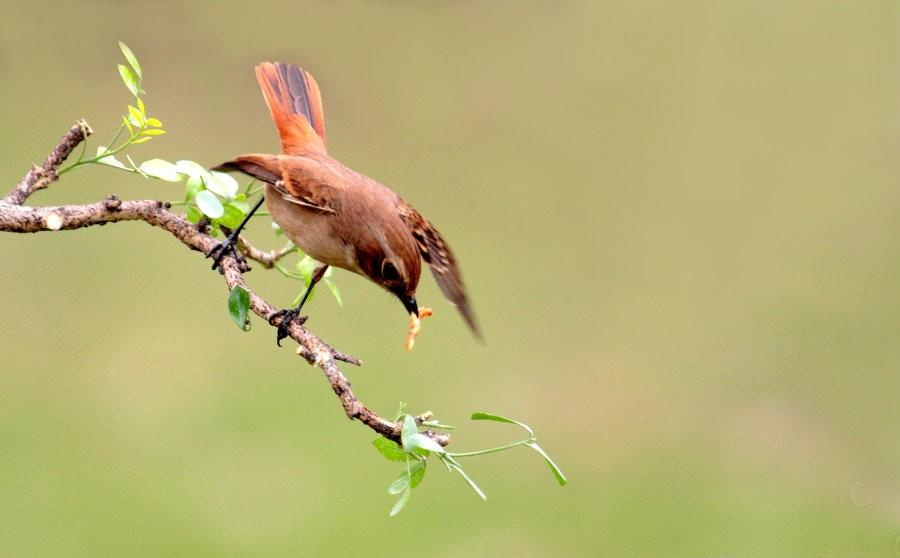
(267, 259)
(40, 177)
(14, 217)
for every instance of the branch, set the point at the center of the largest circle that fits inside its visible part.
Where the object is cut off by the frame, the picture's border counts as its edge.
(39, 177)
(267, 259)
(14, 217)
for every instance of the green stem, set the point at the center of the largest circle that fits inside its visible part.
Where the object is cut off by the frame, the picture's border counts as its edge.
(491, 450)
(288, 273)
(110, 151)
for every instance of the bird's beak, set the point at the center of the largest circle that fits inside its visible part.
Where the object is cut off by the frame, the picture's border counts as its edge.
(409, 302)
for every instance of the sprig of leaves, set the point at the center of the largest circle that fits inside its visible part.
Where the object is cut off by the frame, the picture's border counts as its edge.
(416, 447)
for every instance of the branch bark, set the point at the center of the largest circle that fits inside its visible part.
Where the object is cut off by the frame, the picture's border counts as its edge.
(18, 218)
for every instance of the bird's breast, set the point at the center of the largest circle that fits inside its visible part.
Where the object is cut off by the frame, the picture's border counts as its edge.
(312, 230)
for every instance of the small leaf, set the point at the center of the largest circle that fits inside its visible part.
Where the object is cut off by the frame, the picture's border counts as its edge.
(560, 477)
(154, 122)
(131, 58)
(416, 473)
(239, 306)
(109, 159)
(222, 184)
(277, 229)
(142, 108)
(128, 79)
(190, 168)
(390, 449)
(128, 125)
(193, 214)
(232, 216)
(334, 290)
(161, 169)
(209, 204)
(401, 503)
(498, 418)
(305, 267)
(399, 485)
(409, 433)
(153, 132)
(427, 443)
(193, 185)
(141, 140)
(136, 114)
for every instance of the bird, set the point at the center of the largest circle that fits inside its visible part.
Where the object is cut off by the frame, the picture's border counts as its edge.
(338, 216)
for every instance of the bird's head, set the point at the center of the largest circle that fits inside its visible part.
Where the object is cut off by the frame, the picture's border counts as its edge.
(390, 258)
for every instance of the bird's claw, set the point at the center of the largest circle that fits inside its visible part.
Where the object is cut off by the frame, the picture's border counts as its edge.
(287, 316)
(224, 248)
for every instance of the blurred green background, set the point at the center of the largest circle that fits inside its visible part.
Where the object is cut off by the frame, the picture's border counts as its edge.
(678, 223)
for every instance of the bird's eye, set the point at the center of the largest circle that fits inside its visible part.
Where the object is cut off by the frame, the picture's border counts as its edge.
(389, 272)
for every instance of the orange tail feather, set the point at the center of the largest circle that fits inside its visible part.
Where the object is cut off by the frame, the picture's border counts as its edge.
(295, 103)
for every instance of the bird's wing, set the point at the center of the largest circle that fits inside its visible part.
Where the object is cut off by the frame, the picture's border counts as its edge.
(437, 254)
(293, 186)
(295, 104)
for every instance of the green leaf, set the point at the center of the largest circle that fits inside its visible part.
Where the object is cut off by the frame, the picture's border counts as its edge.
(193, 214)
(190, 168)
(305, 268)
(128, 79)
(416, 473)
(243, 206)
(153, 132)
(109, 160)
(131, 58)
(232, 216)
(277, 229)
(142, 108)
(136, 114)
(162, 169)
(209, 204)
(427, 443)
(399, 485)
(498, 418)
(239, 306)
(560, 477)
(222, 184)
(409, 433)
(299, 297)
(141, 140)
(401, 503)
(154, 122)
(193, 185)
(390, 449)
(128, 125)
(334, 291)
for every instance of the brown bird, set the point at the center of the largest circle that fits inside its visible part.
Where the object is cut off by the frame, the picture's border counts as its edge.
(336, 215)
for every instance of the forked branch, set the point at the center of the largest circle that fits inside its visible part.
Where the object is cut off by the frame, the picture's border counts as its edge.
(19, 218)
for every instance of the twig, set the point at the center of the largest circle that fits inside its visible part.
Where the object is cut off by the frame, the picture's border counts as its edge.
(40, 177)
(14, 217)
(267, 259)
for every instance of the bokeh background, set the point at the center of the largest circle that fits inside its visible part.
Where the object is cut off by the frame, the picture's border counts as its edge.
(678, 222)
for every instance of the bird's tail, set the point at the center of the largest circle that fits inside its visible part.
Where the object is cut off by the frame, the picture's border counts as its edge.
(295, 104)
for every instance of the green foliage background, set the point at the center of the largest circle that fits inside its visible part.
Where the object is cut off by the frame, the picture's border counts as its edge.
(678, 222)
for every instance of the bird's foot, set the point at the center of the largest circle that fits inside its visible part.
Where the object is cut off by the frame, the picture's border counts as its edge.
(287, 316)
(222, 249)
